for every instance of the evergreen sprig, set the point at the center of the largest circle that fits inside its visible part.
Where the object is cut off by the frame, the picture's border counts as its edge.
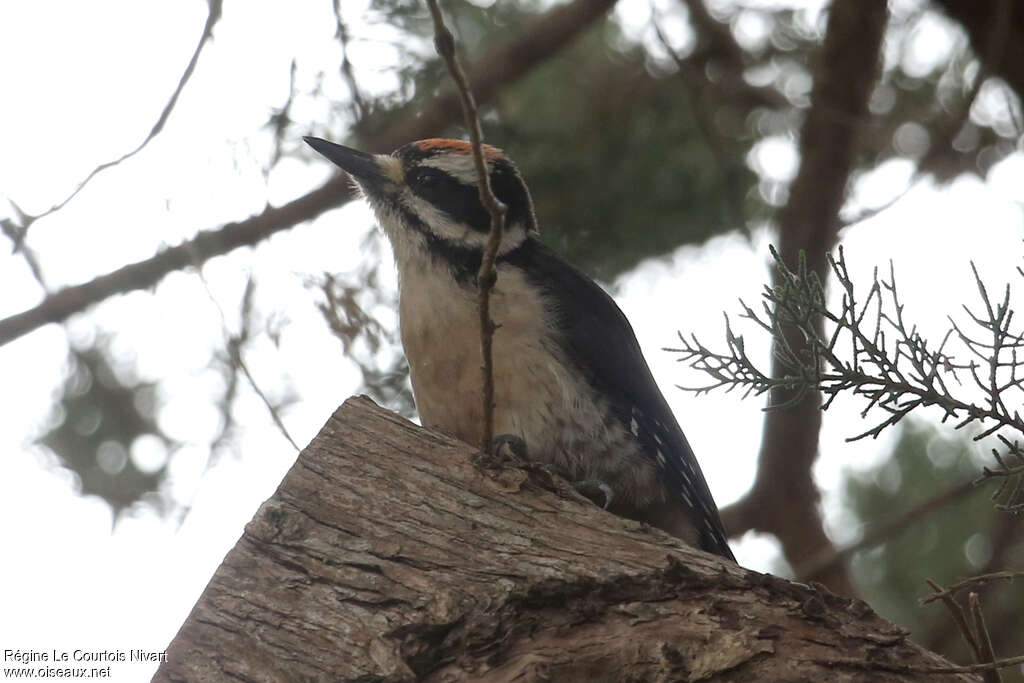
(869, 349)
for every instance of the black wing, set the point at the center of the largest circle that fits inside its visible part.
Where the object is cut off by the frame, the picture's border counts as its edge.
(602, 341)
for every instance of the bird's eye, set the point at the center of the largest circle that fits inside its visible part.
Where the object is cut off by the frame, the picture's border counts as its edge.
(425, 177)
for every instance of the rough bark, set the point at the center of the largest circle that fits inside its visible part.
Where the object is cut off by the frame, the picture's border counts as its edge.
(784, 499)
(390, 553)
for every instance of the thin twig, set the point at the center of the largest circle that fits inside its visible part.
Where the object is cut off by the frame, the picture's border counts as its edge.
(988, 655)
(266, 401)
(487, 276)
(211, 19)
(344, 308)
(234, 348)
(693, 78)
(973, 582)
(959, 618)
(893, 367)
(15, 231)
(347, 73)
(866, 214)
(504, 65)
(279, 121)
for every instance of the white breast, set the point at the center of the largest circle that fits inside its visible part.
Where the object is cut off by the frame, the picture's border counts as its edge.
(538, 395)
(441, 335)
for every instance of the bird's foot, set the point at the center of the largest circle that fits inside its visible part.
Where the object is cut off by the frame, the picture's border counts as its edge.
(598, 492)
(506, 449)
(506, 445)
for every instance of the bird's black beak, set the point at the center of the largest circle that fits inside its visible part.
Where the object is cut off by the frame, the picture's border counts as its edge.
(360, 165)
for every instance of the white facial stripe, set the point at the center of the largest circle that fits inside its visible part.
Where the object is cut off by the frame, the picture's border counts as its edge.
(459, 166)
(440, 223)
(459, 233)
(409, 245)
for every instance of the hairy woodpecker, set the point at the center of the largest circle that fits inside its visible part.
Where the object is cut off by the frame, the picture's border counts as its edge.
(569, 377)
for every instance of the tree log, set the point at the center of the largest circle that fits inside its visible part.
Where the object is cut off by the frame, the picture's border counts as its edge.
(394, 553)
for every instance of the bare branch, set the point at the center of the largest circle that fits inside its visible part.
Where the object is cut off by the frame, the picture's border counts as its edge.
(720, 42)
(988, 655)
(959, 618)
(867, 214)
(974, 630)
(344, 306)
(235, 343)
(16, 233)
(280, 119)
(341, 33)
(499, 68)
(998, 32)
(212, 17)
(973, 582)
(784, 498)
(487, 276)
(705, 101)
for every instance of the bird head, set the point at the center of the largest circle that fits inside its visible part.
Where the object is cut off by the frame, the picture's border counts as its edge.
(426, 199)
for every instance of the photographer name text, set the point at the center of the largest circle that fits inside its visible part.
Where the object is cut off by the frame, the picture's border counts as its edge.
(83, 656)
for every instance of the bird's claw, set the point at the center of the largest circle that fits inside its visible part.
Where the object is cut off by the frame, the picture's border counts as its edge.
(506, 445)
(592, 488)
(506, 450)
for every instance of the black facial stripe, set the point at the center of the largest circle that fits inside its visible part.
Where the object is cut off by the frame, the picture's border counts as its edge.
(461, 201)
(463, 261)
(457, 199)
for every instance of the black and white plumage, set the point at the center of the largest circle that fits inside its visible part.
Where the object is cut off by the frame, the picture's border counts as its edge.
(570, 378)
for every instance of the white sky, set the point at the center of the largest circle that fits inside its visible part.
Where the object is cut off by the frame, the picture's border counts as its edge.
(87, 82)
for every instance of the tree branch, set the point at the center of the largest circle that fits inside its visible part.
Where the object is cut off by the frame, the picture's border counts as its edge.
(972, 582)
(359, 109)
(717, 47)
(212, 17)
(1002, 53)
(1003, 536)
(959, 618)
(784, 498)
(235, 348)
(945, 131)
(386, 554)
(988, 655)
(499, 68)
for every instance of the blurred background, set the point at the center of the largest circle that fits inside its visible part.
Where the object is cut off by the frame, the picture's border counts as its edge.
(188, 291)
